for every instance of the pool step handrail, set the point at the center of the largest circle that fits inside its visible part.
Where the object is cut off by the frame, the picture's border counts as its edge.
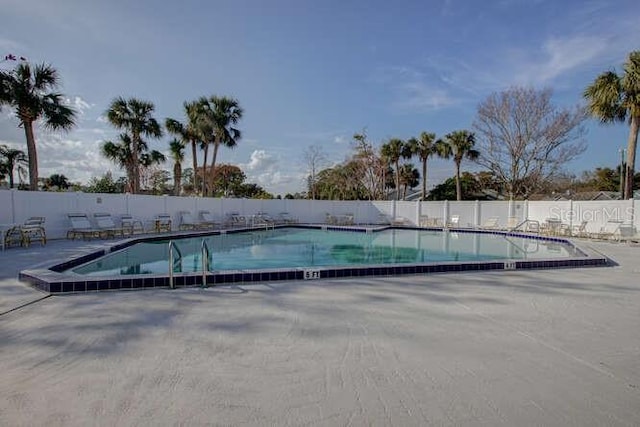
(205, 254)
(175, 262)
(526, 222)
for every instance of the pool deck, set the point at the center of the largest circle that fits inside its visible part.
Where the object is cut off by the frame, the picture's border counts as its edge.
(543, 347)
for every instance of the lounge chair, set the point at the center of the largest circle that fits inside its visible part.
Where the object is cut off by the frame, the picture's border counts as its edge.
(286, 218)
(454, 221)
(162, 223)
(490, 223)
(23, 235)
(626, 233)
(234, 219)
(187, 222)
(513, 222)
(208, 220)
(12, 236)
(608, 231)
(130, 225)
(33, 229)
(554, 227)
(105, 223)
(532, 226)
(81, 227)
(580, 230)
(342, 219)
(263, 218)
(400, 220)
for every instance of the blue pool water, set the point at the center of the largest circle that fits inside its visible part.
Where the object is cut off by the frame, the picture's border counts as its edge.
(300, 247)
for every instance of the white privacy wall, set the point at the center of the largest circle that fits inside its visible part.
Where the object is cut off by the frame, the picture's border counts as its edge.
(17, 206)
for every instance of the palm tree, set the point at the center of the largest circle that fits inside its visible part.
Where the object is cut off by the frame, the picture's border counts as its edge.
(13, 158)
(58, 180)
(134, 117)
(409, 178)
(613, 98)
(30, 93)
(176, 148)
(424, 147)
(187, 133)
(121, 153)
(215, 118)
(458, 144)
(393, 150)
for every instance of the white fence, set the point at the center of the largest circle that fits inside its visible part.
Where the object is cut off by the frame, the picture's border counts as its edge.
(17, 206)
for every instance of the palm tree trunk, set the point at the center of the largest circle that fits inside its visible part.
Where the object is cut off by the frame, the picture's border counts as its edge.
(213, 162)
(424, 179)
(631, 156)
(458, 186)
(177, 178)
(135, 162)
(10, 167)
(204, 170)
(194, 153)
(397, 180)
(129, 172)
(32, 154)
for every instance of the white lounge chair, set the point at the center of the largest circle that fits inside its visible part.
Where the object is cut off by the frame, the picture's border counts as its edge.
(580, 230)
(263, 218)
(187, 222)
(607, 231)
(130, 225)
(286, 218)
(162, 223)
(234, 219)
(454, 221)
(81, 227)
(490, 223)
(330, 219)
(208, 220)
(105, 223)
(23, 235)
(626, 233)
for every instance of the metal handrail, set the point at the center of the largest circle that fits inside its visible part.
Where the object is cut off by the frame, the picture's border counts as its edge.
(175, 263)
(526, 221)
(206, 261)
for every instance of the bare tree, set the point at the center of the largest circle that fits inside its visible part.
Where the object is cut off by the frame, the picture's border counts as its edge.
(315, 158)
(371, 168)
(525, 140)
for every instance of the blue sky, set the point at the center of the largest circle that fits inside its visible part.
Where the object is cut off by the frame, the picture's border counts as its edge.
(313, 72)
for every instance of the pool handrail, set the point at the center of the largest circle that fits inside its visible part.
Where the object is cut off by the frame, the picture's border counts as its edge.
(205, 262)
(173, 261)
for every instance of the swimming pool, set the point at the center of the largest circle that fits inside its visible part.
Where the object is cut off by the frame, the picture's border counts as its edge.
(295, 247)
(306, 252)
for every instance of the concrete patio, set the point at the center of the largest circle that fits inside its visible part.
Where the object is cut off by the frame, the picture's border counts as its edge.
(554, 347)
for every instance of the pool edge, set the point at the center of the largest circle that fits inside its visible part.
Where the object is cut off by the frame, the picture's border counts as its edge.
(52, 280)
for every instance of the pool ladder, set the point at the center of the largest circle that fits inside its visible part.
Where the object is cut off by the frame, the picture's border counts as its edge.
(206, 261)
(175, 262)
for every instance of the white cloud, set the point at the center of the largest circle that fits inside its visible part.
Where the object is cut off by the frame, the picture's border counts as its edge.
(269, 172)
(79, 104)
(413, 90)
(559, 57)
(260, 161)
(419, 96)
(340, 139)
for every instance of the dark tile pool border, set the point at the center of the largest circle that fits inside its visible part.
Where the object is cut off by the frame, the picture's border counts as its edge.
(54, 280)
